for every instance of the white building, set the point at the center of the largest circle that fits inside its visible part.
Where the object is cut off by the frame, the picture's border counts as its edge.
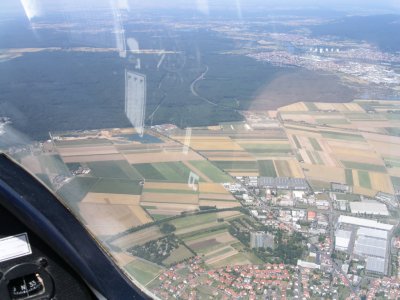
(364, 223)
(342, 239)
(369, 207)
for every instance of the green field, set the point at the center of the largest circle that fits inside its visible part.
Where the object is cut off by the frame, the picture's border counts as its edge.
(119, 169)
(267, 148)
(194, 220)
(348, 197)
(237, 165)
(349, 177)
(296, 141)
(201, 234)
(166, 191)
(395, 131)
(315, 144)
(211, 171)
(173, 171)
(393, 116)
(342, 136)
(117, 186)
(364, 166)
(143, 271)
(149, 172)
(365, 180)
(332, 121)
(311, 157)
(267, 168)
(311, 106)
(318, 158)
(159, 217)
(395, 181)
(178, 255)
(75, 190)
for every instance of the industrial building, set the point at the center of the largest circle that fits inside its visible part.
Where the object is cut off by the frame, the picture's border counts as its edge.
(364, 223)
(365, 239)
(369, 207)
(283, 183)
(341, 188)
(342, 239)
(387, 199)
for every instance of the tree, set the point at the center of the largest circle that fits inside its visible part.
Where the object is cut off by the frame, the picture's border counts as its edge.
(167, 228)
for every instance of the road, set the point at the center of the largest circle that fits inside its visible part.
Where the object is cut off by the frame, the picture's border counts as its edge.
(193, 87)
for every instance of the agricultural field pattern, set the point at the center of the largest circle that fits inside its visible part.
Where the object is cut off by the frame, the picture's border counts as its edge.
(168, 204)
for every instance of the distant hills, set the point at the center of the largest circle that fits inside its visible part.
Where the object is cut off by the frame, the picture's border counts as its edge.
(381, 30)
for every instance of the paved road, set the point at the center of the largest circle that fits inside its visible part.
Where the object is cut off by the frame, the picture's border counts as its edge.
(193, 87)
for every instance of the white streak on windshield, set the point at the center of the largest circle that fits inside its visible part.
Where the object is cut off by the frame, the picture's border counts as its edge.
(32, 8)
(239, 9)
(203, 7)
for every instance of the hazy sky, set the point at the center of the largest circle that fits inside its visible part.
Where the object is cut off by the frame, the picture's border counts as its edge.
(36, 7)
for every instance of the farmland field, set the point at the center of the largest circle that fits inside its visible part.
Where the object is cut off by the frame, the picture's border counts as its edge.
(296, 141)
(212, 188)
(113, 169)
(143, 271)
(53, 164)
(191, 221)
(349, 177)
(283, 168)
(117, 186)
(178, 255)
(149, 172)
(315, 144)
(170, 198)
(237, 259)
(75, 190)
(107, 219)
(342, 136)
(396, 181)
(364, 179)
(267, 148)
(173, 171)
(267, 168)
(138, 238)
(393, 161)
(364, 166)
(211, 171)
(237, 165)
(333, 121)
(107, 198)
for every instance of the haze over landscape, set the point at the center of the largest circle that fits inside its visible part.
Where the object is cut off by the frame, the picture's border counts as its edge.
(224, 149)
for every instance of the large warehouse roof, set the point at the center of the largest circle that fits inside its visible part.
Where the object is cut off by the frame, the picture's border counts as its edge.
(342, 239)
(370, 247)
(375, 233)
(369, 207)
(375, 264)
(364, 223)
